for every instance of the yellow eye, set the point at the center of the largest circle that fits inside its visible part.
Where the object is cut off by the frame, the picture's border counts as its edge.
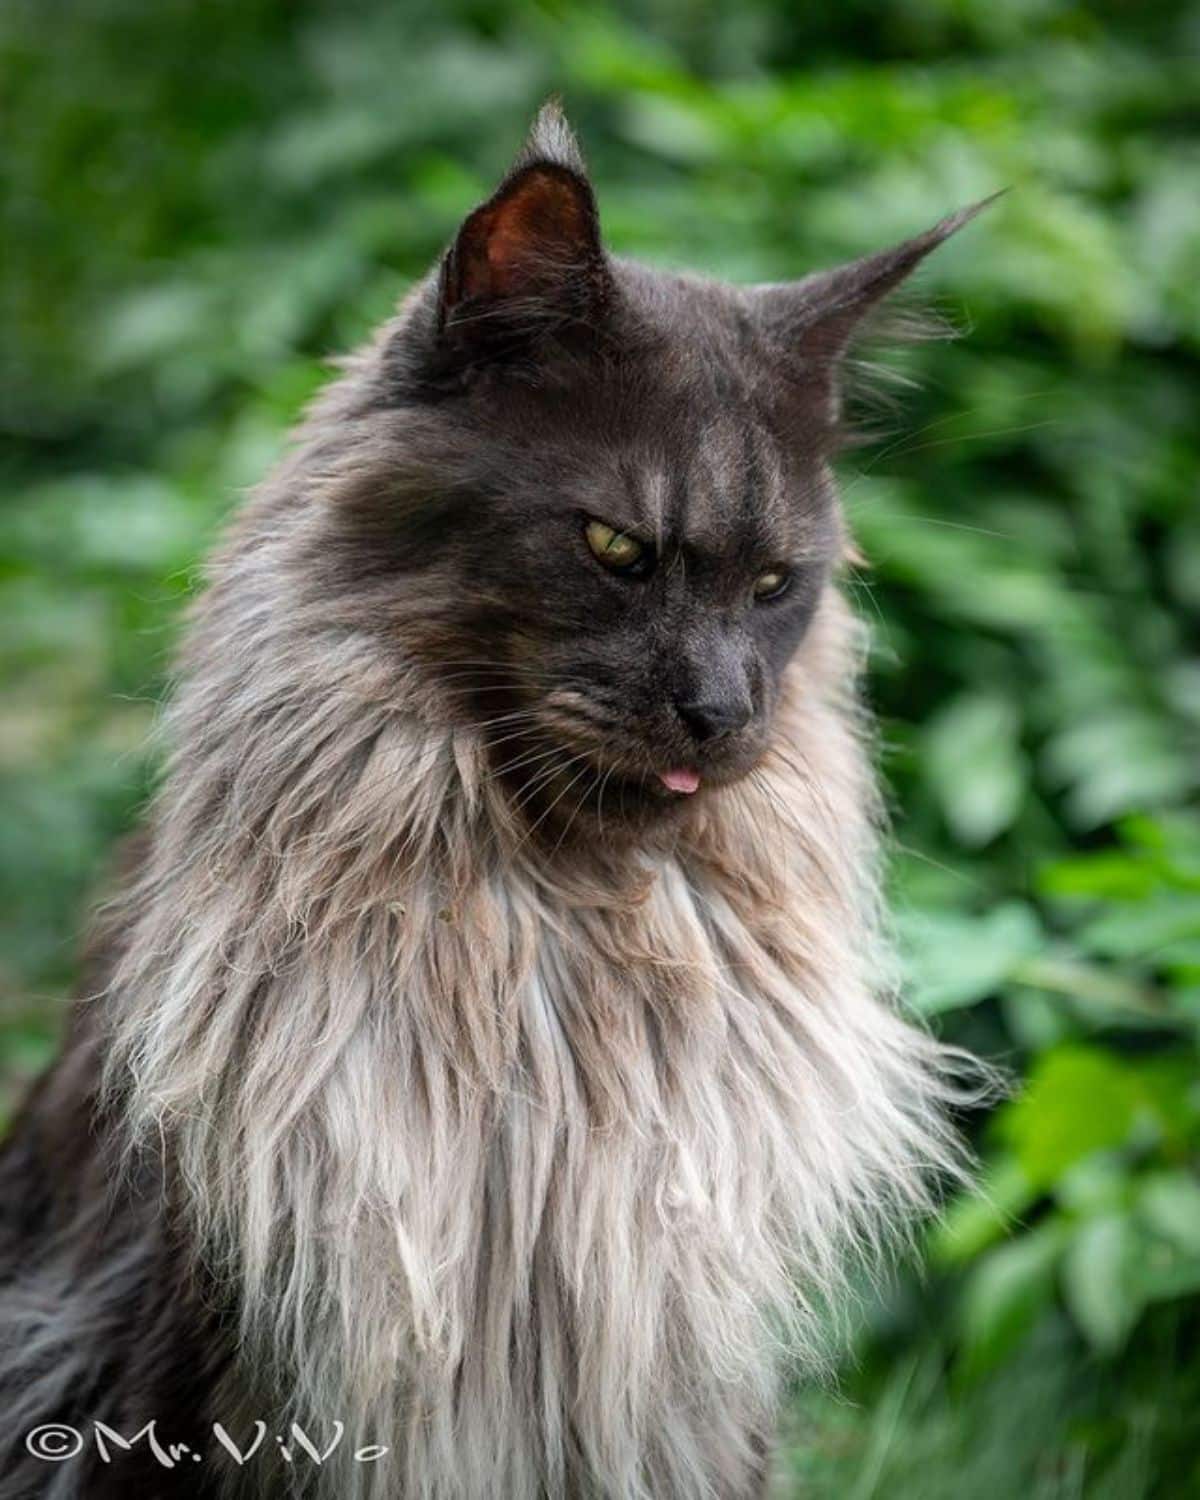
(770, 585)
(616, 549)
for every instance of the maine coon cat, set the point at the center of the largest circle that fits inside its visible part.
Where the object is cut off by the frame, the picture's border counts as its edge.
(493, 1049)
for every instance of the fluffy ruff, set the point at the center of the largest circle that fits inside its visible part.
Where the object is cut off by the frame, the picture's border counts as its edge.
(540, 1167)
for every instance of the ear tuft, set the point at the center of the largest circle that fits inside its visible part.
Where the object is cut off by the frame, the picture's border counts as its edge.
(551, 139)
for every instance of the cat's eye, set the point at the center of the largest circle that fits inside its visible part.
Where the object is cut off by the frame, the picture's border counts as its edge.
(771, 584)
(617, 550)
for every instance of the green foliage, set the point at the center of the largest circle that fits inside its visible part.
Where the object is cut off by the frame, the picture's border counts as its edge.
(203, 201)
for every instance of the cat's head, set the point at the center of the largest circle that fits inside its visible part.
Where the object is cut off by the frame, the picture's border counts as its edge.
(610, 518)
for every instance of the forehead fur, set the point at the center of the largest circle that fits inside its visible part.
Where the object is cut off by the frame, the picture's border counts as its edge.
(738, 451)
(681, 425)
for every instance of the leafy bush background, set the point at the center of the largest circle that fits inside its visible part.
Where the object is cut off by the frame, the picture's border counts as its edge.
(203, 200)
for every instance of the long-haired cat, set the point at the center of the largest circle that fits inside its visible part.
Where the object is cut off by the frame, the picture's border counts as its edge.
(493, 1049)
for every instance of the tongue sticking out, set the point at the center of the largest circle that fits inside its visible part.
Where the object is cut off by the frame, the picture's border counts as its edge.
(681, 780)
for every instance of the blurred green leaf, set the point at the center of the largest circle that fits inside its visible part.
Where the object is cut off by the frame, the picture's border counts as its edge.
(956, 960)
(1098, 1280)
(975, 766)
(1153, 932)
(1006, 1293)
(1110, 874)
(976, 1219)
(1170, 1204)
(1078, 1100)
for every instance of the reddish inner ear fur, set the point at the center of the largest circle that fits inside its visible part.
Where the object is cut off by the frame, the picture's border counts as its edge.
(535, 232)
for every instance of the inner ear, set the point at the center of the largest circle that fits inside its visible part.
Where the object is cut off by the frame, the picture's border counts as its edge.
(537, 239)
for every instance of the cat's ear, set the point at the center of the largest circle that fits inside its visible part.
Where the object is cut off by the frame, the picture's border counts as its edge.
(813, 321)
(530, 259)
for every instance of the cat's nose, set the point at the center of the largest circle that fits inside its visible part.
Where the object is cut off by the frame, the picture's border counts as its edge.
(707, 720)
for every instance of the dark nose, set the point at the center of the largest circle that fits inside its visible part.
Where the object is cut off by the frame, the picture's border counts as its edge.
(707, 720)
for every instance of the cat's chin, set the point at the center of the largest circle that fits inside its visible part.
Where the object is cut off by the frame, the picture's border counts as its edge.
(620, 806)
(596, 792)
(617, 807)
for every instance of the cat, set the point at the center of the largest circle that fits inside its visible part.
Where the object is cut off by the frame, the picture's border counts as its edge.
(494, 1048)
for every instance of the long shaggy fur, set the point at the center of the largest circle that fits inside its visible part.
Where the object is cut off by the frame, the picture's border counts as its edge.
(540, 1165)
(520, 1168)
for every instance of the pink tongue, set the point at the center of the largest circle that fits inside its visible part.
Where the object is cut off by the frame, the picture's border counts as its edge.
(681, 780)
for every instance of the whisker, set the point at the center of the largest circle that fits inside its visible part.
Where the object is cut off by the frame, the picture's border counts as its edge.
(524, 760)
(600, 798)
(543, 778)
(547, 811)
(575, 812)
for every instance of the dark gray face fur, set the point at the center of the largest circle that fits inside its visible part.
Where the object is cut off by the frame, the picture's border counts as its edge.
(544, 385)
(685, 447)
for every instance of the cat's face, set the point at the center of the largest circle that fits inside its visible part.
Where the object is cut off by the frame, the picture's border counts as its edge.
(620, 518)
(643, 556)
